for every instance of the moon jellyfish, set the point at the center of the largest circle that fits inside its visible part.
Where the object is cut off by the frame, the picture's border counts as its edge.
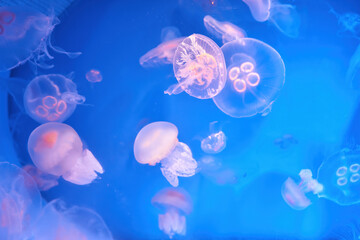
(94, 76)
(256, 74)
(199, 67)
(214, 143)
(337, 180)
(223, 30)
(55, 148)
(176, 204)
(76, 223)
(51, 98)
(43, 180)
(163, 53)
(349, 23)
(20, 202)
(25, 35)
(353, 72)
(260, 9)
(213, 169)
(157, 143)
(285, 141)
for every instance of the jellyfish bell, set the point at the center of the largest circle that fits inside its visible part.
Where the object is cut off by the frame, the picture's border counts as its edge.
(56, 148)
(286, 19)
(255, 76)
(214, 143)
(94, 76)
(260, 9)
(199, 68)
(157, 143)
(225, 31)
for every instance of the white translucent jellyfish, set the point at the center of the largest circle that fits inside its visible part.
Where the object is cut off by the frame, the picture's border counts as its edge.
(223, 30)
(94, 76)
(25, 35)
(57, 222)
(176, 203)
(51, 98)
(285, 141)
(353, 72)
(55, 148)
(260, 9)
(20, 202)
(157, 143)
(164, 53)
(199, 68)
(214, 143)
(43, 180)
(256, 74)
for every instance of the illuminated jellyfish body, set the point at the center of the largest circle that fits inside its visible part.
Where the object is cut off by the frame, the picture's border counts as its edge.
(157, 143)
(20, 202)
(349, 23)
(25, 35)
(56, 149)
(94, 76)
(199, 68)
(353, 72)
(51, 98)
(76, 223)
(164, 53)
(256, 74)
(214, 143)
(284, 16)
(225, 31)
(175, 203)
(43, 180)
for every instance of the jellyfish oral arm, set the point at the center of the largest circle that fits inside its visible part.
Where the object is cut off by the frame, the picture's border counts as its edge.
(170, 176)
(172, 223)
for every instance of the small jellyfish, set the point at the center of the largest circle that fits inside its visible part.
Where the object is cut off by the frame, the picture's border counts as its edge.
(285, 141)
(214, 143)
(157, 142)
(94, 76)
(223, 30)
(51, 98)
(199, 67)
(176, 203)
(260, 9)
(213, 169)
(43, 180)
(56, 149)
(349, 23)
(256, 74)
(353, 72)
(30, 29)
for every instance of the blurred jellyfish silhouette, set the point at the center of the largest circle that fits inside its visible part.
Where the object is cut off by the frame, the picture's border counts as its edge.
(349, 23)
(337, 180)
(199, 68)
(164, 53)
(94, 76)
(285, 141)
(157, 143)
(353, 72)
(175, 203)
(20, 202)
(225, 31)
(24, 36)
(284, 16)
(215, 142)
(212, 168)
(56, 149)
(43, 180)
(56, 221)
(256, 74)
(51, 98)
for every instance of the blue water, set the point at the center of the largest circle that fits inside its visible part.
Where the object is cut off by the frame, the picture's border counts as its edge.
(316, 106)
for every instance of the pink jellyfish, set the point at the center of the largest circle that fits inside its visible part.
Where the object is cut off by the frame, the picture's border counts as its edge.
(223, 30)
(55, 148)
(25, 35)
(51, 98)
(199, 68)
(176, 203)
(94, 76)
(157, 142)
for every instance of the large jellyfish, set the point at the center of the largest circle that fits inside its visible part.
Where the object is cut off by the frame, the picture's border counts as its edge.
(199, 67)
(157, 142)
(25, 35)
(256, 74)
(51, 98)
(163, 53)
(176, 203)
(349, 23)
(55, 148)
(76, 223)
(20, 202)
(353, 72)
(337, 180)
(223, 30)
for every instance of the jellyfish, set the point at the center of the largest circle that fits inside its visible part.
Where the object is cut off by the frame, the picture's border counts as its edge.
(260, 9)
(223, 30)
(214, 143)
(24, 36)
(353, 72)
(349, 23)
(164, 53)
(20, 202)
(57, 221)
(56, 149)
(212, 168)
(51, 98)
(94, 76)
(256, 74)
(43, 180)
(337, 180)
(285, 141)
(176, 203)
(199, 67)
(157, 143)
